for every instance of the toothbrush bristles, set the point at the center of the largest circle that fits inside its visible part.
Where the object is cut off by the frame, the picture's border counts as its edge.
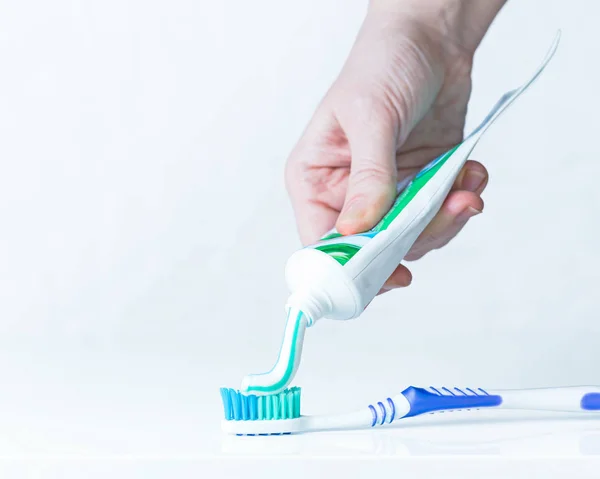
(241, 407)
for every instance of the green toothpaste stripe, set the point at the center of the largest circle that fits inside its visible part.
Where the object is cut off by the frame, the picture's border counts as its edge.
(341, 252)
(291, 361)
(331, 236)
(411, 190)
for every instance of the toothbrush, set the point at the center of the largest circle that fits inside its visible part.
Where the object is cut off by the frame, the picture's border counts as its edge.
(280, 414)
(338, 276)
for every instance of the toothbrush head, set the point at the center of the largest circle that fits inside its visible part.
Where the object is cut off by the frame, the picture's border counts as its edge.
(241, 407)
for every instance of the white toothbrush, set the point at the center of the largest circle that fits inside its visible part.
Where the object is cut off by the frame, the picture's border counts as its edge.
(280, 414)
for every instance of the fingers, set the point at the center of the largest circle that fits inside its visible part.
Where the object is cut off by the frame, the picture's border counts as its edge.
(311, 183)
(400, 278)
(462, 203)
(372, 182)
(313, 220)
(313, 216)
(473, 177)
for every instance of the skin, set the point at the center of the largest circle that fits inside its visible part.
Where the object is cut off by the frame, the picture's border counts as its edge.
(399, 102)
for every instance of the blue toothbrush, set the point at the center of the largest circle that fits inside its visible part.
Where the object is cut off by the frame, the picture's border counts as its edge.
(280, 413)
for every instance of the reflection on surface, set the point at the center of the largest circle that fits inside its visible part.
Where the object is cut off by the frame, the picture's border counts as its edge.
(515, 435)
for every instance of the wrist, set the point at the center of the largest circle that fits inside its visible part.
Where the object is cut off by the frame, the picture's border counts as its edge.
(460, 23)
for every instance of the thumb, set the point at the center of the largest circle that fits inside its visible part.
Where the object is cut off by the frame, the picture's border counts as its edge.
(373, 172)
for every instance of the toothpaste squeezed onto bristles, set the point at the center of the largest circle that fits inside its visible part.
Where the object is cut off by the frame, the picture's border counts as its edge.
(337, 277)
(288, 360)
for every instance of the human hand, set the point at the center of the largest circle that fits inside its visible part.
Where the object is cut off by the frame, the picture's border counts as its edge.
(399, 102)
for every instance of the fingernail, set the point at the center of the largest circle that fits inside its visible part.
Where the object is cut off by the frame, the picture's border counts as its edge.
(389, 285)
(353, 211)
(473, 180)
(467, 213)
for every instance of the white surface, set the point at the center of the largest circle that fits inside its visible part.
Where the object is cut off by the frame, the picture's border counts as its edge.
(145, 223)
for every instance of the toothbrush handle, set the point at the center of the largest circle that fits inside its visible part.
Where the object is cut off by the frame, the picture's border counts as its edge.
(565, 399)
(414, 401)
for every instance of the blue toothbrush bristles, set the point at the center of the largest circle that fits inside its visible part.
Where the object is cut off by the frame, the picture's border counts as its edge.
(241, 407)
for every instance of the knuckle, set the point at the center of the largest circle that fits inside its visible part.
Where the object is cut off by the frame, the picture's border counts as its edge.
(374, 114)
(370, 171)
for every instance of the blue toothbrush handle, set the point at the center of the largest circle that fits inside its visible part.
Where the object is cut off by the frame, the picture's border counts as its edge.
(414, 401)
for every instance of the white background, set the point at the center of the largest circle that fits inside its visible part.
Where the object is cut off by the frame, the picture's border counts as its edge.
(144, 227)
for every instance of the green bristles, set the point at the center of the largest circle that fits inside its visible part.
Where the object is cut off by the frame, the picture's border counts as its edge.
(239, 407)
